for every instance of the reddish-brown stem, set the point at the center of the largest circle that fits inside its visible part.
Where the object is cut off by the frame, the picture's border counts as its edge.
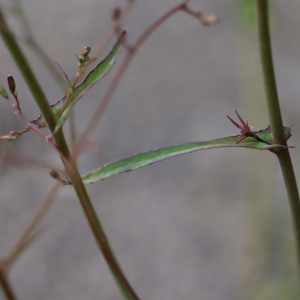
(101, 108)
(156, 24)
(39, 213)
(114, 28)
(131, 50)
(104, 41)
(48, 139)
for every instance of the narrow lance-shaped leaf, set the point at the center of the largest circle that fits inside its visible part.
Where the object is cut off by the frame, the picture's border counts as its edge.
(92, 78)
(143, 159)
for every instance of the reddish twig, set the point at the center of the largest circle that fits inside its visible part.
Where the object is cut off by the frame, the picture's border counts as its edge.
(131, 50)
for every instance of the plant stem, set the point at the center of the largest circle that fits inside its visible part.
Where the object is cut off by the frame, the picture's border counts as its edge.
(7, 288)
(25, 235)
(31, 42)
(268, 73)
(27, 73)
(113, 29)
(276, 119)
(71, 167)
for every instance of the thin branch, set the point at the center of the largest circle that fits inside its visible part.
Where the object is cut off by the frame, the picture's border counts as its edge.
(6, 286)
(37, 216)
(113, 29)
(97, 52)
(17, 160)
(130, 53)
(157, 24)
(30, 40)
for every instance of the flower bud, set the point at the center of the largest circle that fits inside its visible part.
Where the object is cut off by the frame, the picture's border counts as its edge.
(11, 84)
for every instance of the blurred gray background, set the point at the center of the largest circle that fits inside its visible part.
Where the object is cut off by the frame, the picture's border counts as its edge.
(209, 225)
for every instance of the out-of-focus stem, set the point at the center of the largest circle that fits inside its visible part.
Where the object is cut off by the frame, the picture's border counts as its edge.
(40, 212)
(6, 286)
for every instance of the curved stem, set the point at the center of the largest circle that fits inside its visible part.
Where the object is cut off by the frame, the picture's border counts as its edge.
(276, 119)
(71, 168)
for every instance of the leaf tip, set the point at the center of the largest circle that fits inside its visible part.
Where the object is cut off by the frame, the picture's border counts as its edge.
(122, 37)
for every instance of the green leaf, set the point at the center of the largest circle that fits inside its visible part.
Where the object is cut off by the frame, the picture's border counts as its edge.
(3, 92)
(143, 159)
(92, 78)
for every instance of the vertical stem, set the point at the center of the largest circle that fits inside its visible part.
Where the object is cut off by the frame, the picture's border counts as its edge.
(268, 72)
(276, 119)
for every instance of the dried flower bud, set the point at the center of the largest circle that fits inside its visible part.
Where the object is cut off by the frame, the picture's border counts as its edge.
(11, 84)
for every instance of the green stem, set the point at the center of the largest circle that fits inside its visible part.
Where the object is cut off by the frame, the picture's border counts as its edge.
(27, 73)
(276, 119)
(71, 167)
(24, 24)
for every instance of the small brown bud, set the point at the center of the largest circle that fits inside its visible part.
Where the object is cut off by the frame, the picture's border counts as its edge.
(54, 174)
(11, 84)
(116, 13)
